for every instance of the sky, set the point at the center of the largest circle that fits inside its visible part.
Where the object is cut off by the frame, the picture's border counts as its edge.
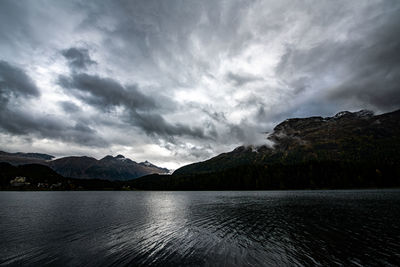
(176, 82)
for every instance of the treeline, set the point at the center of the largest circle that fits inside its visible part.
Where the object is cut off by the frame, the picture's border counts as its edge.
(310, 175)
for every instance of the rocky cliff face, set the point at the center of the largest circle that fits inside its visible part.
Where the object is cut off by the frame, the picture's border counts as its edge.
(318, 129)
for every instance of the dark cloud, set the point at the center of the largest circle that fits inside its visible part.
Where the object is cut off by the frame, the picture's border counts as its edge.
(149, 33)
(153, 123)
(69, 107)
(44, 126)
(78, 58)
(106, 94)
(16, 89)
(14, 82)
(241, 79)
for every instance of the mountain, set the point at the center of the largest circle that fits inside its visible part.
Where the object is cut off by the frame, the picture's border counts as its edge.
(149, 164)
(24, 158)
(348, 150)
(109, 167)
(347, 136)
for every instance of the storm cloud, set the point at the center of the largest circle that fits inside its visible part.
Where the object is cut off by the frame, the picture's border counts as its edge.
(16, 91)
(78, 57)
(14, 82)
(142, 111)
(241, 79)
(180, 81)
(69, 107)
(105, 92)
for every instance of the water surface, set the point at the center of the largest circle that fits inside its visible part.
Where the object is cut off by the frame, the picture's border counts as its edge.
(200, 228)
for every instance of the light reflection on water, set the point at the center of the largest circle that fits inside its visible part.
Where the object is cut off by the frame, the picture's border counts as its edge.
(200, 228)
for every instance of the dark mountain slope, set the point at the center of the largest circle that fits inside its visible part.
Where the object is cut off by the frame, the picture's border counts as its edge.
(72, 166)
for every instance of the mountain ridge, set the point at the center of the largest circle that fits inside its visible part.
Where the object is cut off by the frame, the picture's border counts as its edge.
(84, 167)
(347, 150)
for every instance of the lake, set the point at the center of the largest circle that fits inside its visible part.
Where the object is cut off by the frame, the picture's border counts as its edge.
(265, 228)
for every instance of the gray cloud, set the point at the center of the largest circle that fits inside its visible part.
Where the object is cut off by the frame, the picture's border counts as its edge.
(44, 126)
(14, 82)
(78, 57)
(106, 94)
(364, 71)
(69, 107)
(241, 79)
(16, 89)
(155, 124)
(41, 126)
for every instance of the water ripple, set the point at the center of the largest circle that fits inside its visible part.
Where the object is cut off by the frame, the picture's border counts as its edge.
(200, 228)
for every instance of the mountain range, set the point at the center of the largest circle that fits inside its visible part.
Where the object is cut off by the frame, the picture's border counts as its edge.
(108, 168)
(348, 150)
